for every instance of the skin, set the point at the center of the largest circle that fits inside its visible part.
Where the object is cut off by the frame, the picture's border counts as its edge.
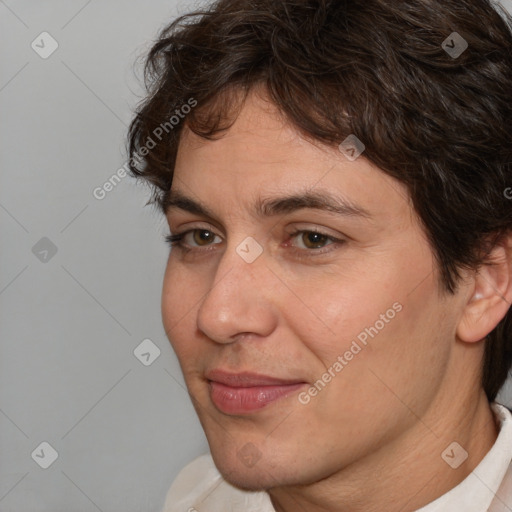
(372, 439)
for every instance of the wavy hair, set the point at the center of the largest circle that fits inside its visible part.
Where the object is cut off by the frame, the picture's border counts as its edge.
(441, 124)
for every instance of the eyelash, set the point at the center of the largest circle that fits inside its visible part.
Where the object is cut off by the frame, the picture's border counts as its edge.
(177, 241)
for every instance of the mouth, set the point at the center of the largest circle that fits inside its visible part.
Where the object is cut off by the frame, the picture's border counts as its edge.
(242, 393)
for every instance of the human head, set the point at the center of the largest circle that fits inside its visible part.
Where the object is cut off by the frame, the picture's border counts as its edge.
(439, 125)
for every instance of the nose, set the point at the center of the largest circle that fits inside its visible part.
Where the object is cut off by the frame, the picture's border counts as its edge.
(239, 300)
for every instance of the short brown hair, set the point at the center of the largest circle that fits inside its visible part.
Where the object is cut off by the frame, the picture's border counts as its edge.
(439, 123)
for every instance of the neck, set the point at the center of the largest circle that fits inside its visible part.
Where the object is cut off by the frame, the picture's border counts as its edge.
(408, 473)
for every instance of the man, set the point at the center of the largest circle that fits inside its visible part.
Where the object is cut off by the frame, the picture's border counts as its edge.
(336, 178)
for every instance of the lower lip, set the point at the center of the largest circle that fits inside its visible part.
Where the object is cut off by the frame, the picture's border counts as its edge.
(243, 400)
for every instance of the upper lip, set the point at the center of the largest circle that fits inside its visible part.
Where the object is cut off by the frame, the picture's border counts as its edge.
(248, 379)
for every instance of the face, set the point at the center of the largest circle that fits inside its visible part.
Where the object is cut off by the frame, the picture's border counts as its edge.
(301, 329)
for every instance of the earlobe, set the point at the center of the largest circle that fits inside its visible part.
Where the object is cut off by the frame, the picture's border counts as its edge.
(491, 297)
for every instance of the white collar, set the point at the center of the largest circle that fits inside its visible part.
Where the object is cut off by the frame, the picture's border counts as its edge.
(478, 491)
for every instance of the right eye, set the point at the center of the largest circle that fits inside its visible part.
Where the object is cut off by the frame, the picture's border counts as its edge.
(191, 238)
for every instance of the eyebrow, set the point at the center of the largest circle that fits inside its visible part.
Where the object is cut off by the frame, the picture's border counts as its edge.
(272, 206)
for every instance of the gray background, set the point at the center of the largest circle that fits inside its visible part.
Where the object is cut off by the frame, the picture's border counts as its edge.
(70, 321)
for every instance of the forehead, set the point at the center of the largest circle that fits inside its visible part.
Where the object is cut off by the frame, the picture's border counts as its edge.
(263, 156)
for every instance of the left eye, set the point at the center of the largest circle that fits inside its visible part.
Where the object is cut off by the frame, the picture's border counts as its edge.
(312, 239)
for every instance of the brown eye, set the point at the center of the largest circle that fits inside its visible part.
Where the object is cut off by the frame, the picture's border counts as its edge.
(201, 237)
(193, 239)
(313, 240)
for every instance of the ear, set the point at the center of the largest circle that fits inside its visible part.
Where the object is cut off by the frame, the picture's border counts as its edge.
(491, 295)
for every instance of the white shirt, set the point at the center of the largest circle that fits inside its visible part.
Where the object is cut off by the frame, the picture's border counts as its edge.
(199, 487)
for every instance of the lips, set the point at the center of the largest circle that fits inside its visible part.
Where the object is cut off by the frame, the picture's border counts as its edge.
(247, 379)
(245, 392)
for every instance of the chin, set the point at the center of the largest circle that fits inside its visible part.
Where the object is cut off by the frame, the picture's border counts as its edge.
(256, 478)
(263, 475)
(252, 482)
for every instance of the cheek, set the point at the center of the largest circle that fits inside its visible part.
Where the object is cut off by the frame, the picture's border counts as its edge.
(378, 320)
(329, 313)
(180, 300)
(390, 360)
